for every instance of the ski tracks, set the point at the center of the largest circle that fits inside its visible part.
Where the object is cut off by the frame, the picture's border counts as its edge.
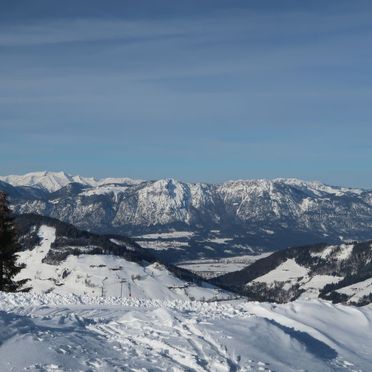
(176, 343)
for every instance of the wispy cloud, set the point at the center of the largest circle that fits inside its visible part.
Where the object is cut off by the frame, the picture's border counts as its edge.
(224, 82)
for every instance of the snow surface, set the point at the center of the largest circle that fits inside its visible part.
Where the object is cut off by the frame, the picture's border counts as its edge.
(337, 252)
(104, 275)
(313, 286)
(167, 235)
(105, 189)
(287, 271)
(211, 268)
(357, 290)
(165, 240)
(73, 333)
(325, 252)
(308, 282)
(53, 181)
(345, 251)
(317, 186)
(291, 273)
(218, 240)
(160, 245)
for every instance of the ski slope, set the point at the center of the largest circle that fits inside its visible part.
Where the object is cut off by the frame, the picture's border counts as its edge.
(74, 333)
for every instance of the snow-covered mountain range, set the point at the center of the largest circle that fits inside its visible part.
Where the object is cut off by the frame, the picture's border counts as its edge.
(181, 221)
(53, 181)
(61, 259)
(341, 273)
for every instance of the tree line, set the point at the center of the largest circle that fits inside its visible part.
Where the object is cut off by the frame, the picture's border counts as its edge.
(8, 248)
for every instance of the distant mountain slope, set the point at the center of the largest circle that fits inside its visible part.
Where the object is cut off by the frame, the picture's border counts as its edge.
(341, 273)
(62, 259)
(183, 221)
(53, 181)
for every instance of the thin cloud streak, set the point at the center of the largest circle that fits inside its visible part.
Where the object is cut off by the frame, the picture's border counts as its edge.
(219, 85)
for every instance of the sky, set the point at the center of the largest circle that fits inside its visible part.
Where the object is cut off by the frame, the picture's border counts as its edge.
(196, 90)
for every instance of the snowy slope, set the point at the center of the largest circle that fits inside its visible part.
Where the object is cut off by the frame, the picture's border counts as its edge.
(67, 333)
(53, 181)
(50, 181)
(341, 273)
(358, 291)
(85, 273)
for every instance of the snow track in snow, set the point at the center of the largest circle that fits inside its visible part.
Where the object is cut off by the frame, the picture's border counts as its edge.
(69, 333)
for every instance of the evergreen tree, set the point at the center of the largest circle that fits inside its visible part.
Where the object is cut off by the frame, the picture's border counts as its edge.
(8, 248)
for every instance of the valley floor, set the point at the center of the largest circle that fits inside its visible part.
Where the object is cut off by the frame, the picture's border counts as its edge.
(71, 333)
(211, 268)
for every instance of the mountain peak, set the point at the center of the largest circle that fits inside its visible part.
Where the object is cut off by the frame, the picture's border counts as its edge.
(53, 181)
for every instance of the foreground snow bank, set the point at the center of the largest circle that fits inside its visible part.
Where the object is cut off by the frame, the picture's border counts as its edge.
(70, 333)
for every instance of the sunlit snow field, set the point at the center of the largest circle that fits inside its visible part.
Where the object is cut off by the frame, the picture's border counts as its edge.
(72, 333)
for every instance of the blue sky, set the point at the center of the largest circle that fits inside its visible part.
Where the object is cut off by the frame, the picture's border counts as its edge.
(196, 90)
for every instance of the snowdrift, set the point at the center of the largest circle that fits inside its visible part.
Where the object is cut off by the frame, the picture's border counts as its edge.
(69, 333)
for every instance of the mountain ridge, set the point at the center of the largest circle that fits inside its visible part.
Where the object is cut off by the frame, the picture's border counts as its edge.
(49, 180)
(340, 273)
(216, 220)
(53, 181)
